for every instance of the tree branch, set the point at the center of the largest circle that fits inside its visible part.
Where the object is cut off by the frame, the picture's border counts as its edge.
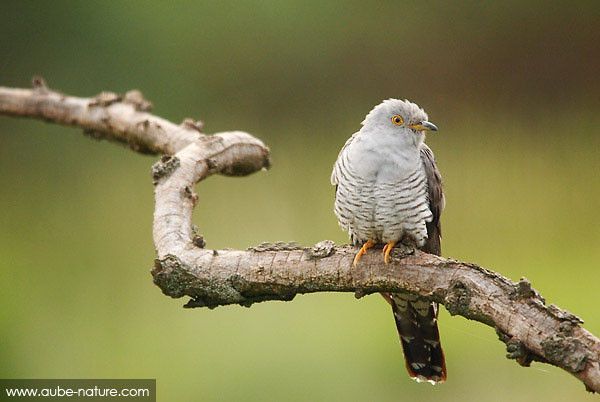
(531, 329)
(120, 118)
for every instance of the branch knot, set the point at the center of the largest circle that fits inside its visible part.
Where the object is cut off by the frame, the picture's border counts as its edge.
(164, 167)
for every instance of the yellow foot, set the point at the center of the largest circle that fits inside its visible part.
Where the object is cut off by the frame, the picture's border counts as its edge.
(387, 249)
(362, 251)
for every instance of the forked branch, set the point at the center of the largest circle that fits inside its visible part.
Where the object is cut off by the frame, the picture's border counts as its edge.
(531, 329)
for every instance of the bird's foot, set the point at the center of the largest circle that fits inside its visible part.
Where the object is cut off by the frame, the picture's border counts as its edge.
(400, 250)
(367, 245)
(387, 249)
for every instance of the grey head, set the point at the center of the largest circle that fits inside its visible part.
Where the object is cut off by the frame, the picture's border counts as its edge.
(402, 119)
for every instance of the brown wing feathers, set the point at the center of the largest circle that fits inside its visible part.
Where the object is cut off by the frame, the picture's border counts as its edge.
(416, 320)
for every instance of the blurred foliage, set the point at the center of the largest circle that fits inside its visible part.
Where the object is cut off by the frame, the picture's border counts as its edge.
(512, 85)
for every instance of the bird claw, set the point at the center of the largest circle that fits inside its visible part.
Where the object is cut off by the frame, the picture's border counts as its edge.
(387, 249)
(363, 250)
(399, 250)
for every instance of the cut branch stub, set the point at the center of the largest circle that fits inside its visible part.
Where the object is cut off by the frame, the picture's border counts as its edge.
(232, 154)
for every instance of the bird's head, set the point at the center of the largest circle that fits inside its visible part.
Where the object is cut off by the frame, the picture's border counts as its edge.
(399, 118)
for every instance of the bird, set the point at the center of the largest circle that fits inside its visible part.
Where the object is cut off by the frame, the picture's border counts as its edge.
(388, 192)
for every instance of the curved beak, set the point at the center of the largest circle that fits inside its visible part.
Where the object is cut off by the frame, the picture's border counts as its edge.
(424, 126)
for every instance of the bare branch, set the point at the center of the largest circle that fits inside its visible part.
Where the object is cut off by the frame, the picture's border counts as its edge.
(121, 118)
(531, 329)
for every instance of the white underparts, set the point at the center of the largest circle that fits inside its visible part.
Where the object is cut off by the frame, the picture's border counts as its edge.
(382, 211)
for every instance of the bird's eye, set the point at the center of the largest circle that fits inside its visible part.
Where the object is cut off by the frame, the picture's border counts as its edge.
(397, 120)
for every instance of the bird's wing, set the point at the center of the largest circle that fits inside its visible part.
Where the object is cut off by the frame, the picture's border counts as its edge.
(416, 319)
(336, 167)
(436, 201)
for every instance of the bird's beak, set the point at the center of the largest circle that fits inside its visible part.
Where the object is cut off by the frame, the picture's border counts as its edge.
(424, 126)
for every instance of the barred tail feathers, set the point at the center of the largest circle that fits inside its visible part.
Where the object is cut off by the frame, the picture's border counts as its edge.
(416, 321)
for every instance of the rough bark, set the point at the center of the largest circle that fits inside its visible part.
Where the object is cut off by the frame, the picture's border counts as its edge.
(530, 329)
(110, 116)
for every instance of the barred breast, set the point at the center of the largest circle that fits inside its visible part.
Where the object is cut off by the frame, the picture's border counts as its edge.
(373, 207)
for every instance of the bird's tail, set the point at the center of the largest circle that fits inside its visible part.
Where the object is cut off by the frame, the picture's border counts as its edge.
(416, 321)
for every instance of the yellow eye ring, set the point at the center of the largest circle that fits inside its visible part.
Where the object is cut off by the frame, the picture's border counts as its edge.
(397, 120)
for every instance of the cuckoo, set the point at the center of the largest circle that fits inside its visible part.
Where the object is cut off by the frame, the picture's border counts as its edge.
(389, 193)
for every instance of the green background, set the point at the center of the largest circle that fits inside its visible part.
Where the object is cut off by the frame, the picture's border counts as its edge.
(512, 85)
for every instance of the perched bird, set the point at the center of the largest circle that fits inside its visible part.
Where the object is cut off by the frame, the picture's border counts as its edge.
(389, 192)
